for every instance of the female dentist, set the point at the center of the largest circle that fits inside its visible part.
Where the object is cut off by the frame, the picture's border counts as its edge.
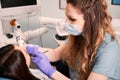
(91, 49)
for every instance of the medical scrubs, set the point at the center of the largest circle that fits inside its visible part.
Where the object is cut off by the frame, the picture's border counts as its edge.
(107, 59)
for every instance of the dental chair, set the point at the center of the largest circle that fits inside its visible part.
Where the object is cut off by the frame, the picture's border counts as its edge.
(3, 78)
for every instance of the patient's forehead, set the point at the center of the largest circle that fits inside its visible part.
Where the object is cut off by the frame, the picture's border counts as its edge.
(21, 49)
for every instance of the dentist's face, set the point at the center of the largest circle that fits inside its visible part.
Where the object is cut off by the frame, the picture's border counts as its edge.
(73, 16)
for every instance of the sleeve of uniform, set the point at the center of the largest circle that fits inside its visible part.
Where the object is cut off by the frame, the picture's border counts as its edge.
(107, 61)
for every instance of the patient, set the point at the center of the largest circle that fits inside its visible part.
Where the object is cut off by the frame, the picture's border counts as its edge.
(14, 63)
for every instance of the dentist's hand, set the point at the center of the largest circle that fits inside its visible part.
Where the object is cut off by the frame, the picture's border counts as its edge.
(40, 60)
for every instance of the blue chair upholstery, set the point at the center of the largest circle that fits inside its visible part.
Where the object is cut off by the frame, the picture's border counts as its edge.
(2, 78)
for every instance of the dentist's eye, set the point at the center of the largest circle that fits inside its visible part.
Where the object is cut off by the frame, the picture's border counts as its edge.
(71, 18)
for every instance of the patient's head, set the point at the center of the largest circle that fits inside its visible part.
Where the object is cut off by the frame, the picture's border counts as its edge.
(14, 62)
(22, 50)
(14, 54)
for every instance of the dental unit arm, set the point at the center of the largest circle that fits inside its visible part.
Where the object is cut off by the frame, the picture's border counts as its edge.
(58, 23)
(30, 34)
(21, 37)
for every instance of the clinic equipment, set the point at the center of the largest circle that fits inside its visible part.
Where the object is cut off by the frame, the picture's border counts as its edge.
(20, 35)
(19, 8)
(15, 9)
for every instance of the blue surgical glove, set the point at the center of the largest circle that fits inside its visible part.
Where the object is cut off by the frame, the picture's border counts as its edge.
(40, 60)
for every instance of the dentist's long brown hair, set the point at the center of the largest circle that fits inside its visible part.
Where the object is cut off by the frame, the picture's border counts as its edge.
(81, 50)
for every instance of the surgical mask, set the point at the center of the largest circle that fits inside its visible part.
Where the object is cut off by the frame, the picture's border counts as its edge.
(72, 29)
(60, 28)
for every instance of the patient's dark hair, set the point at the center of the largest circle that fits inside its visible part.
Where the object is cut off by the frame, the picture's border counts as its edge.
(13, 64)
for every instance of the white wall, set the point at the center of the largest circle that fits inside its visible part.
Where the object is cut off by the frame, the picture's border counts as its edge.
(114, 9)
(50, 8)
